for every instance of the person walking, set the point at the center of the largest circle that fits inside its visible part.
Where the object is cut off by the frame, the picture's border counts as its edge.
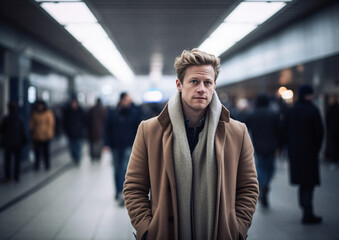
(264, 126)
(75, 125)
(304, 130)
(96, 123)
(14, 138)
(191, 174)
(121, 128)
(41, 126)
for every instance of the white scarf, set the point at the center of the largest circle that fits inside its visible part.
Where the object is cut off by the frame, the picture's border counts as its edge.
(196, 174)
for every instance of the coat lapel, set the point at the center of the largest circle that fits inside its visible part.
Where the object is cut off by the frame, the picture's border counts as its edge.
(167, 143)
(220, 141)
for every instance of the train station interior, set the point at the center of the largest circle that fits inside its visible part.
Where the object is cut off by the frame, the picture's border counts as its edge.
(54, 51)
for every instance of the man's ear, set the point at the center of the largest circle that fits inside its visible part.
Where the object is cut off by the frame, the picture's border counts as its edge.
(179, 85)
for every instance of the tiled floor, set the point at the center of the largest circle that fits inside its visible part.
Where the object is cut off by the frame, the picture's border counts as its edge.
(78, 205)
(282, 221)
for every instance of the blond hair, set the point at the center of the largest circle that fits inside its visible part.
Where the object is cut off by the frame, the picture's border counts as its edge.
(195, 57)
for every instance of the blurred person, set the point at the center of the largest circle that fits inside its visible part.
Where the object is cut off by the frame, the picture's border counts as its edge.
(264, 126)
(149, 110)
(304, 130)
(241, 111)
(41, 126)
(96, 123)
(14, 138)
(122, 124)
(75, 125)
(332, 130)
(283, 108)
(191, 174)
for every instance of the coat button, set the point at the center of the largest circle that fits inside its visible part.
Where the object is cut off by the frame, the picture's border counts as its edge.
(171, 219)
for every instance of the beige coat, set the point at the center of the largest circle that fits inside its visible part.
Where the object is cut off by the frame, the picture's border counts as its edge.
(151, 168)
(42, 125)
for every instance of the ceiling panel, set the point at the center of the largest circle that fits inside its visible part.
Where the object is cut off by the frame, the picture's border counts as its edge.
(142, 28)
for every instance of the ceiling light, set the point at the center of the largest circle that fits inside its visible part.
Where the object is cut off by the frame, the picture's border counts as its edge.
(79, 21)
(105, 51)
(69, 12)
(232, 32)
(254, 12)
(86, 32)
(225, 36)
(58, 0)
(239, 23)
(215, 46)
(268, 0)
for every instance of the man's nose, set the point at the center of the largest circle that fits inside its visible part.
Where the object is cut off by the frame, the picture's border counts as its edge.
(201, 88)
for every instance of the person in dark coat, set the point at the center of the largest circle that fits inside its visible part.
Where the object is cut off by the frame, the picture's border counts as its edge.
(121, 128)
(14, 137)
(305, 135)
(96, 122)
(264, 126)
(75, 125)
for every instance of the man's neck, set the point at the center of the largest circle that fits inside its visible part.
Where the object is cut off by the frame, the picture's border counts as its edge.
(194, 117)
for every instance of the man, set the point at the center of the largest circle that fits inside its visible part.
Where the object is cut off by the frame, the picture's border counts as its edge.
(14, 138)
(75, 125)
(197, 163)
(122, 125)
(41, 125)
(305, 135)
(264, 125)
(96, 122)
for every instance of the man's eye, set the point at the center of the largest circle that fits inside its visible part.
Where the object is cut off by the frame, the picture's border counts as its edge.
(208, 83)
(194, 81)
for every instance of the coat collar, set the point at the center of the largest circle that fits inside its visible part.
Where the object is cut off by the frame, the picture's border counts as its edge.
(225, 114)
(164, 118)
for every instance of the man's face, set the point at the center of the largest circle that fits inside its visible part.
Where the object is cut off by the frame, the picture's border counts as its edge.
(197, 88)
(40, 107)
(74, 104)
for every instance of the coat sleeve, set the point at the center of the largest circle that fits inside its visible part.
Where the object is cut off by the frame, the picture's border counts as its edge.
(136, 186)
(247, 189)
